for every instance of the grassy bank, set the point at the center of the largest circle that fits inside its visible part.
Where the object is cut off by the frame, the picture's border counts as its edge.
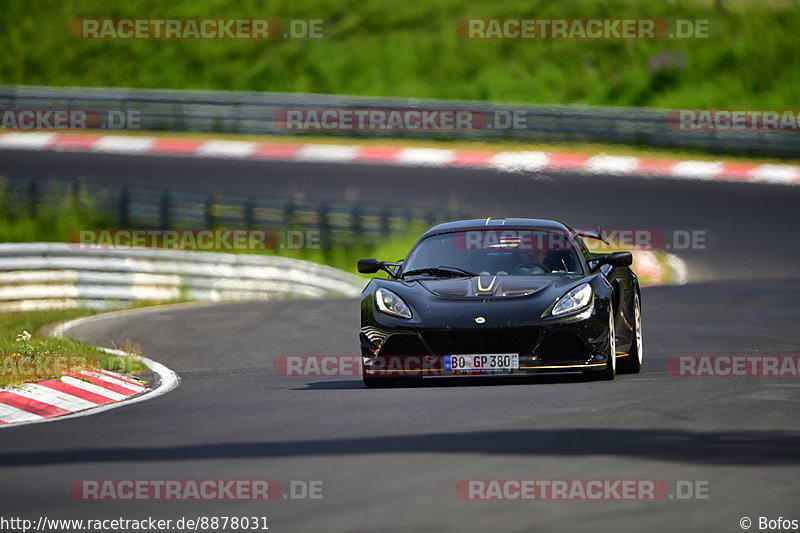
(412, 50)
(26, 354)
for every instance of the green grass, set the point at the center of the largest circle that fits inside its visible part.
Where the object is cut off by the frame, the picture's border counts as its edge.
(42, 357)
(410, 49)
(50, 221)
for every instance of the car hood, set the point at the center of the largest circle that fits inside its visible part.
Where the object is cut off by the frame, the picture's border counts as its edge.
(489, 286)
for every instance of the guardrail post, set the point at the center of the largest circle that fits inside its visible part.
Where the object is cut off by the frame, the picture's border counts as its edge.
(288, 214)
(324, 228)
(249, 215)
(75, 191)
(33, 198)
(124, 207)
(209, 212)
(6, 182)
(164, 211)
(358, 230)
(431, 217)
(386, 224)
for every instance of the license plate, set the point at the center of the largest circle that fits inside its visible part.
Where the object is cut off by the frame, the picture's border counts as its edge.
(498, 362)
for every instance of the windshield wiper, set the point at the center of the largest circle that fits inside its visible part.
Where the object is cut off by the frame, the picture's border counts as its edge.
(439, 271)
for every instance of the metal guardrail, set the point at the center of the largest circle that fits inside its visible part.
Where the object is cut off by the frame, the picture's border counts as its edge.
(36, 276)
(253, 112)
(336, 223)
(60, 275)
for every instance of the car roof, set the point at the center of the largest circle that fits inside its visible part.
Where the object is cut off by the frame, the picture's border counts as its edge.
(495, 223)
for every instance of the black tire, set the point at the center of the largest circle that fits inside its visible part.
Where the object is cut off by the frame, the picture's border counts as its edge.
(610, 370)
(632, 363)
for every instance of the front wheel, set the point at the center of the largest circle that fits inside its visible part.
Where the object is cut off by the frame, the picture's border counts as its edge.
(632, 363)
(610, 370)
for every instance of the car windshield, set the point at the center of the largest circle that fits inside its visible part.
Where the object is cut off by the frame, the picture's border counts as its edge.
(508, 252)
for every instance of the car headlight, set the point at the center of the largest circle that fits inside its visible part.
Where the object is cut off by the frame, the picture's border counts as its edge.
(575, 300)
(392, 304)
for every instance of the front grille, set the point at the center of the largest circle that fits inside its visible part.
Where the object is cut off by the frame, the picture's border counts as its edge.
(562, 346)
(449, 342)
(403, 344)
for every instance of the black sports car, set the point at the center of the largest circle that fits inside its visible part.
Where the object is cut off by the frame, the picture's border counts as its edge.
(500, 296)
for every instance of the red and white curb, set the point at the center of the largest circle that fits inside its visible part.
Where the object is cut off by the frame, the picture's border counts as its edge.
(77, 391)
(82, 393)
(514, 161)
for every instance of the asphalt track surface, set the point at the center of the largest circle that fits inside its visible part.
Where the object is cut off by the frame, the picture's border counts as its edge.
(390, 459)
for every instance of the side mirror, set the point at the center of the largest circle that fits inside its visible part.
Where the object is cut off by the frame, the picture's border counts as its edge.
(369, 266)
(620, 259)
(616, 259)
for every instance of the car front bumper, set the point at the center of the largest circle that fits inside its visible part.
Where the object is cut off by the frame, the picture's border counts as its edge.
(543, 348)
